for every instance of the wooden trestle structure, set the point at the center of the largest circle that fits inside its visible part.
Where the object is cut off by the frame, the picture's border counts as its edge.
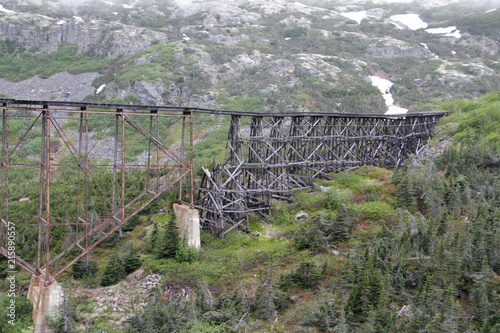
(278, 153)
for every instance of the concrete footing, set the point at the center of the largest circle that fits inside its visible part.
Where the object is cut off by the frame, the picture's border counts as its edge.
(46, 303)
(188, 221)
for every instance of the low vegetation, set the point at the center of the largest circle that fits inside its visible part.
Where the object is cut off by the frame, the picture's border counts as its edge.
(372, 250)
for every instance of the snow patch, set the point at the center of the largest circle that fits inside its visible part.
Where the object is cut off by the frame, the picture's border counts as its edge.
(491, 10)
(100, 89)
(439, 31)
(355, 16)
(451, 31)
(385, 87)
(60, 22)
(408, 21)
(78, 19)
(455, 34)
(127, 6)
(6, 11)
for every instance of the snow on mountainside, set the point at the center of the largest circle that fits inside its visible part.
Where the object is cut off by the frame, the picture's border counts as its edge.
(287, 55)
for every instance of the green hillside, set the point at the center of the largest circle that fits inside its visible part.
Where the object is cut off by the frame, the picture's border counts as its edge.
(407, 250)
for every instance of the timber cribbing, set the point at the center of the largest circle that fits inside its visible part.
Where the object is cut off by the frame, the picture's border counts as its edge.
(272, 154)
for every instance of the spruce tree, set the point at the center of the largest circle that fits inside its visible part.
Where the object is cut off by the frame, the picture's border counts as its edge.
(307, 274)
(265, 297)
(114, 271)
(170, 241)
(131, 261)
(84, 268)
(153, 239)
(66, 321)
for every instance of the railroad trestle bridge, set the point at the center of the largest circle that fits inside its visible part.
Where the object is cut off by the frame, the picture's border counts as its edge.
(270, 156)
(277, 153)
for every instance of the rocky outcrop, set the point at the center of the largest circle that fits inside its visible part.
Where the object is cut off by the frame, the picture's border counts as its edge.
(484, 43)
(228, 40)
(106, 38)
(389, 47)
(281, 67)
(314, 65)
(292, 21)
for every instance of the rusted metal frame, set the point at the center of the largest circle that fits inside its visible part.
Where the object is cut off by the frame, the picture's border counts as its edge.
(65, 139)
(48, 184)
(122, 167)
(47, 116)
(181, 155)
(148, 190)
(86, 172)
(42, 183)
(67, 223)
(89, 151)
(17, 148)
(115, 160)
(148, 136)
(19, 261)
(191, 165)
(157, 168)
(92, 110)
(80, 136)
(118, 225)
(4, 205)
(149, 148)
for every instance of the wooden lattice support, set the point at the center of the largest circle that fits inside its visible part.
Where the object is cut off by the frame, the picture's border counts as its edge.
(285, 152)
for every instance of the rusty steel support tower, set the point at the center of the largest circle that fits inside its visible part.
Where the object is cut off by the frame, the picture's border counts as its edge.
(89, 149)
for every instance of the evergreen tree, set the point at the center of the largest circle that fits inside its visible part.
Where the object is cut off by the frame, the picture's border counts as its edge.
(83, 268)
(341, 326)
(307, 274)
(131, 261)
(114, 271)
(153, 239)
(170, 242)
(66, 320)
(265, 296)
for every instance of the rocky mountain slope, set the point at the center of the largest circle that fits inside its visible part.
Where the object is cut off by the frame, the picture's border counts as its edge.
(294, 56)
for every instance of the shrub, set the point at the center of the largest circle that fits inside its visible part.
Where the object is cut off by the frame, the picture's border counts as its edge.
(375, 210)
(335, 197)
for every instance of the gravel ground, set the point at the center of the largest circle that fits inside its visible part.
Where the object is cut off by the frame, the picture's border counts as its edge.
(59, 87)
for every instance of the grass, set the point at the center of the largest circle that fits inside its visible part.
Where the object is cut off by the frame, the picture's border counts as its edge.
(240, 259)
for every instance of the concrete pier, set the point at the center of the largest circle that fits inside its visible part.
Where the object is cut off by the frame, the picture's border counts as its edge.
(188, 221)
(46, 303)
